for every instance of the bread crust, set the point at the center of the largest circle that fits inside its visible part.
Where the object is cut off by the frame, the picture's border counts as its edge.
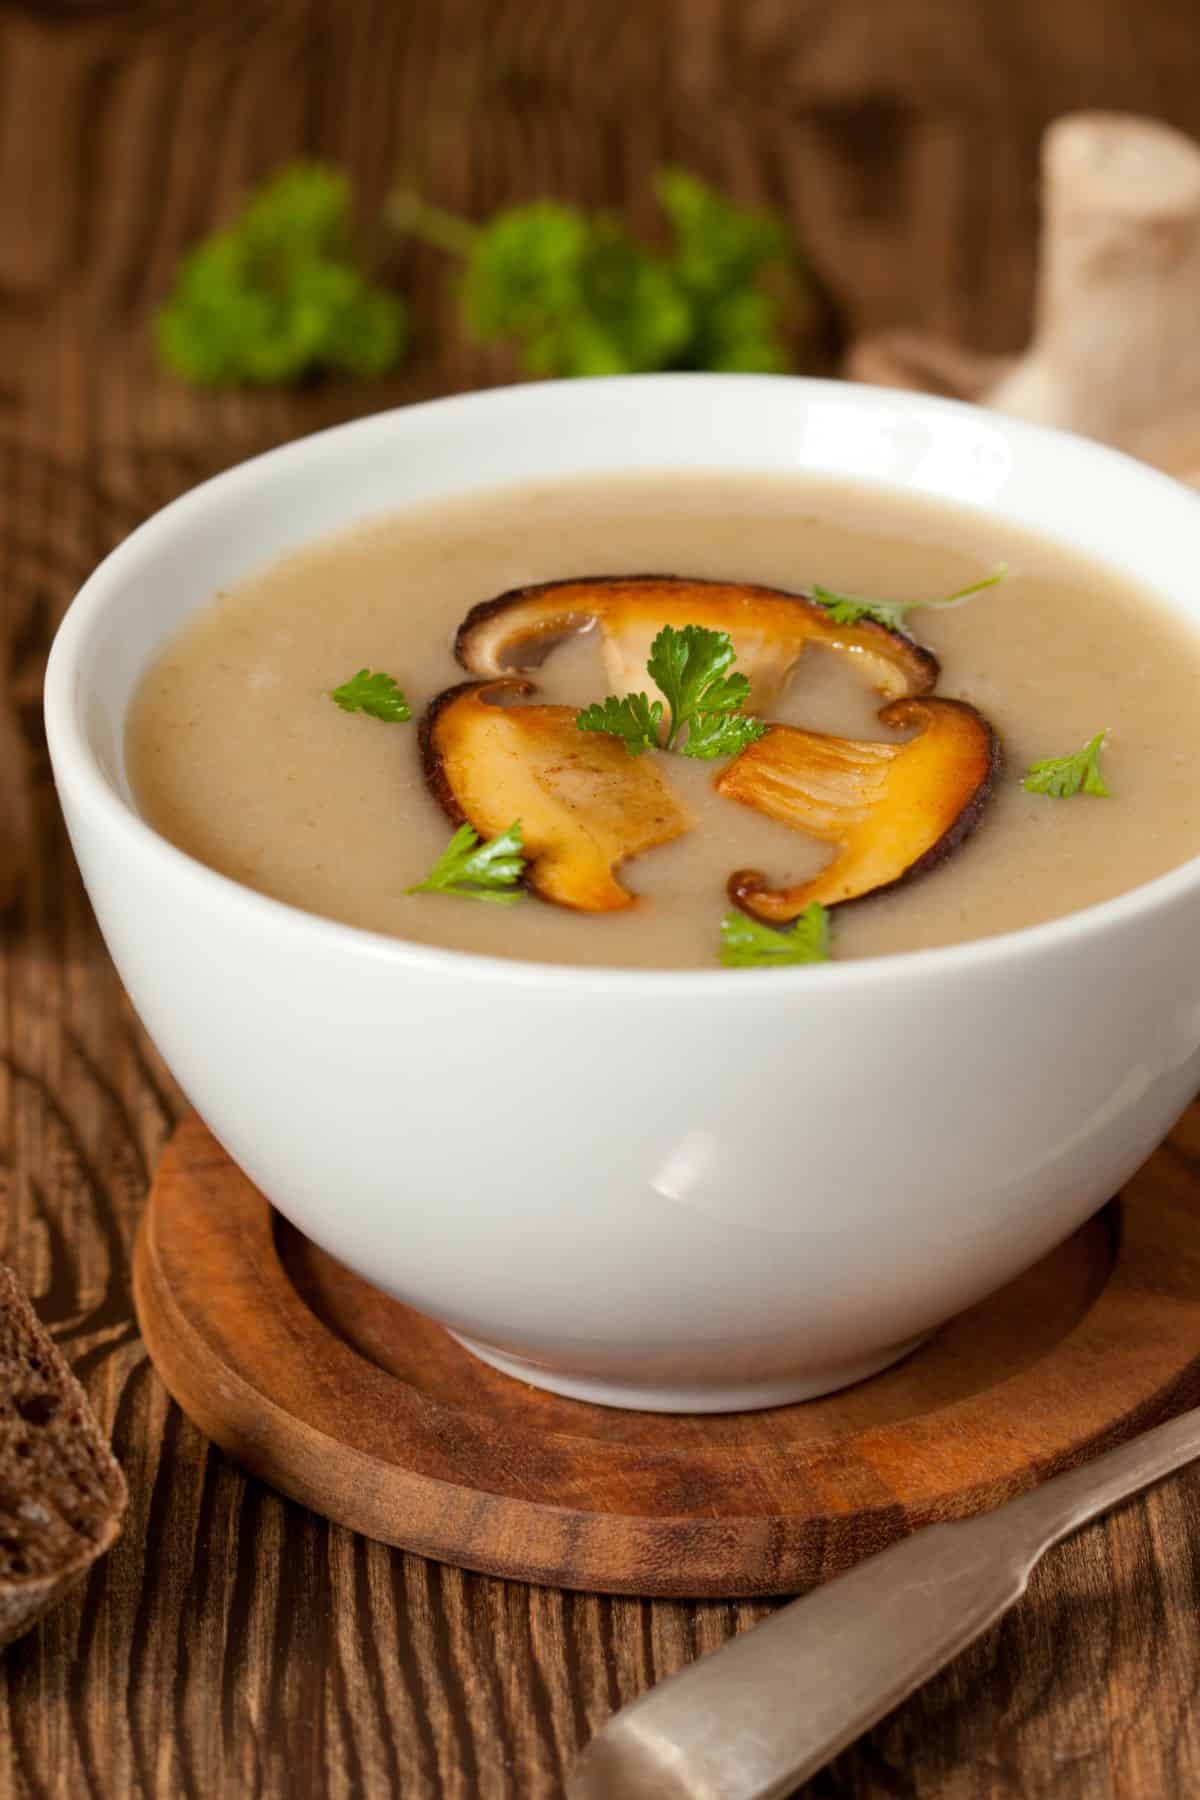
(62, 1493)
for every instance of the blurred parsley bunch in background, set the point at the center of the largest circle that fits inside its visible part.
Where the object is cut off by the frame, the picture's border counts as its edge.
(581, 296)
(279, 294)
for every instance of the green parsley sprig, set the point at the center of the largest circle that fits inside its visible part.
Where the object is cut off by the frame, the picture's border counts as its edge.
(376, 694)
(747, 943)
(634, 718)
(476, 870)
(581, 296)
(1063, 776)
(848, 609)
(280, 292)
(689, 666)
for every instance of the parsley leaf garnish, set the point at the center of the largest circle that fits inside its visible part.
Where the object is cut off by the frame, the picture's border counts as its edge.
(848, 609)
(746, 943)
(377, 694)
(721, 734)
(478, 871)
(689, 667)
(1062, 776)
(635, 719)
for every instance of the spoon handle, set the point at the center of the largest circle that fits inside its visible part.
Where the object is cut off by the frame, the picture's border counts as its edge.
(760, 1715)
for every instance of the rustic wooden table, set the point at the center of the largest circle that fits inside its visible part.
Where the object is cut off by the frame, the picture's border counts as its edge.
(234, 1643)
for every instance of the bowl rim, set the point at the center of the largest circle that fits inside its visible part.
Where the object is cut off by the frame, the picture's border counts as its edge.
(76, 768)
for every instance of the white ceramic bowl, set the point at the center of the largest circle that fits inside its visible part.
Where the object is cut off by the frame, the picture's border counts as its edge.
(677, 1190)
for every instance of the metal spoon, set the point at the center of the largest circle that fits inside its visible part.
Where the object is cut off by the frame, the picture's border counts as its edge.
(760, 1715)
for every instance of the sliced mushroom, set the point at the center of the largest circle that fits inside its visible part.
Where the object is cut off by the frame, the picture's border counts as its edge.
(585, 805)
(769, 628)
(892, 810)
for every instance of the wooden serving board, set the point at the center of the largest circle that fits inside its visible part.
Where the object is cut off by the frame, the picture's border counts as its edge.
(374, 1416)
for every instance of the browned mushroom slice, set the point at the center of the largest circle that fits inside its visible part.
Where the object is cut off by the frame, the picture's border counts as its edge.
(892, 810)
(769, 628)
(585, 805)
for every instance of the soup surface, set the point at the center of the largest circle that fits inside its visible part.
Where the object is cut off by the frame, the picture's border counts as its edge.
(238, 755)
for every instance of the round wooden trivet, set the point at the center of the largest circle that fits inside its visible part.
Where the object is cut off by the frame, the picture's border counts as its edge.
(372, 1415)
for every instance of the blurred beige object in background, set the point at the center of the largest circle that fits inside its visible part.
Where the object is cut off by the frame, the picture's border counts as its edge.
(1116, 342)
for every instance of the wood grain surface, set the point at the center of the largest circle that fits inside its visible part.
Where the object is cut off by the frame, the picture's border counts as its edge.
(235, 1644)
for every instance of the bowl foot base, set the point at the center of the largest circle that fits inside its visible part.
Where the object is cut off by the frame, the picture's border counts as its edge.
(706, 1397)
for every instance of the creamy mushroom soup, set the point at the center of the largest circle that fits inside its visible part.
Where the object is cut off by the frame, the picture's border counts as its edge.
(239, 755)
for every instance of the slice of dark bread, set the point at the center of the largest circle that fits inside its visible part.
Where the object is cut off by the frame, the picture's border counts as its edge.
(61, 1493)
